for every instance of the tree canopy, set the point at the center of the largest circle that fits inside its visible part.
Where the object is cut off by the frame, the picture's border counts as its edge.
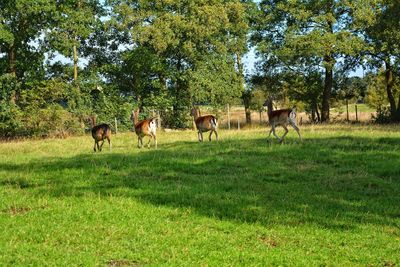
(62, 61)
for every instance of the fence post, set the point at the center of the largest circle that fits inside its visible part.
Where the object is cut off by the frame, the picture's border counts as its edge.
(238, 124)
(116, 126)
(229, 118)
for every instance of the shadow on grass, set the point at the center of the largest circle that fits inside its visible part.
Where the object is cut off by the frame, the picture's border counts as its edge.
(336, 183)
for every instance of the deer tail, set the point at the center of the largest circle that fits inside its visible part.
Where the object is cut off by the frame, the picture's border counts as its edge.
(214, 122)
(292, 113)
(153, 125)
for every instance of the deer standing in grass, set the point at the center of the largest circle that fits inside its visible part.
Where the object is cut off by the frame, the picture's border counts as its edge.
(283, 117)
(204, 124)
(99, 133)
(146, 127)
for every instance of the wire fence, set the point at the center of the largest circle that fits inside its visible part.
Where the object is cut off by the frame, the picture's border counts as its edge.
(234, 118)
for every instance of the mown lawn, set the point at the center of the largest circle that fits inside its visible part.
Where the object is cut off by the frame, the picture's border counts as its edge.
(332, 200)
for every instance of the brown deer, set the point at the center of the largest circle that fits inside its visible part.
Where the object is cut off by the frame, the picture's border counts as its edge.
(99, 133)
(281, 117)
(204, 124)
(146, 127)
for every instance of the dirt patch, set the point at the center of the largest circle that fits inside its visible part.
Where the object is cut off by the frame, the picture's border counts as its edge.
(268, 241)
(16, 210)
(120, 263)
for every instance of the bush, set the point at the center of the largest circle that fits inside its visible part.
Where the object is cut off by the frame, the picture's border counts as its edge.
(383, 115)
(10, 114)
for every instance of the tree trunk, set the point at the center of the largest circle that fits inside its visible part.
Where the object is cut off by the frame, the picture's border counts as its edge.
(326, 96)
(389, 79)
(75, 65)
(248, 115)
(313, 115)
(11, 60)
(329, 63)
(317, 112)
(240, 70)
(398, 109)
(246, 95)
(12, 69)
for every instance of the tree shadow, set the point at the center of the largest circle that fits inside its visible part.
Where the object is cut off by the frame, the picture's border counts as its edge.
(336, 183)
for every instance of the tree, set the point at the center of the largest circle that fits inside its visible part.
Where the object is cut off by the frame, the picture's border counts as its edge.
(185, 34)
(297, 31)
(376, 90)
(383, 38)
(73, 23)
(258, 98)
(22, 24)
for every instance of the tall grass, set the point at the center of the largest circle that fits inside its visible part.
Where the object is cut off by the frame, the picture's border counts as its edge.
(245, 200)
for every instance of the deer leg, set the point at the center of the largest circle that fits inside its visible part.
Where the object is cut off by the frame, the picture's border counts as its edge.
(140, 142)
(286, 131)
(296, 128)
(200, 133)
(274, 133)
(109, 143)
(155, 140)
(209, 137)
(148, 143)
(101, 146)
(216, 135)
(94, 148)
(270, 132)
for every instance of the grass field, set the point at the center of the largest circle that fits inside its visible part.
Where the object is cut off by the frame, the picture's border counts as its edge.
(332, 200)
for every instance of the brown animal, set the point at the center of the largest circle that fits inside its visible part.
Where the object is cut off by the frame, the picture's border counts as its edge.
(99, 133)
(204, 124)
(281, 117)
(146, 127)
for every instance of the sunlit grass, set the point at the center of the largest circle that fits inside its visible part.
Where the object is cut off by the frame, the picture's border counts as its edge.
(245, 200)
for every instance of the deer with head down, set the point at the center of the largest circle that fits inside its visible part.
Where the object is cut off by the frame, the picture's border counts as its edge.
(99, 133)
(283, 117)
(146, 127)
(204, 124)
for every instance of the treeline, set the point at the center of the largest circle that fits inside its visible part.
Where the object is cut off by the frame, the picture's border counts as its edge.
(62, 61)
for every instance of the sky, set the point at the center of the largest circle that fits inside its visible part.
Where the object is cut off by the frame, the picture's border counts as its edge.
(250, 59)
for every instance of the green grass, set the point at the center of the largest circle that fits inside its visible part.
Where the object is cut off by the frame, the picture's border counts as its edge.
(332, 200)
(352, 108)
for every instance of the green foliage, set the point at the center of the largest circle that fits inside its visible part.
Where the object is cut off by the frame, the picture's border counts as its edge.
(310, 36)
(215, 81)
(57, 108)
(22, 23)
(10, 114)
(352, 88)
(43, 105)
(383, 38)
(257, 101)
(183, 36)
(169, 55)
(383, 115)
(376, 91)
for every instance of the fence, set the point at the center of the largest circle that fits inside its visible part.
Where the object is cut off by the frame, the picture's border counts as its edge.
(234, 118)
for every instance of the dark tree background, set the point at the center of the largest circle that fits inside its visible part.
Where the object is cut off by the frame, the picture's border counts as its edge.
(62, 61)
